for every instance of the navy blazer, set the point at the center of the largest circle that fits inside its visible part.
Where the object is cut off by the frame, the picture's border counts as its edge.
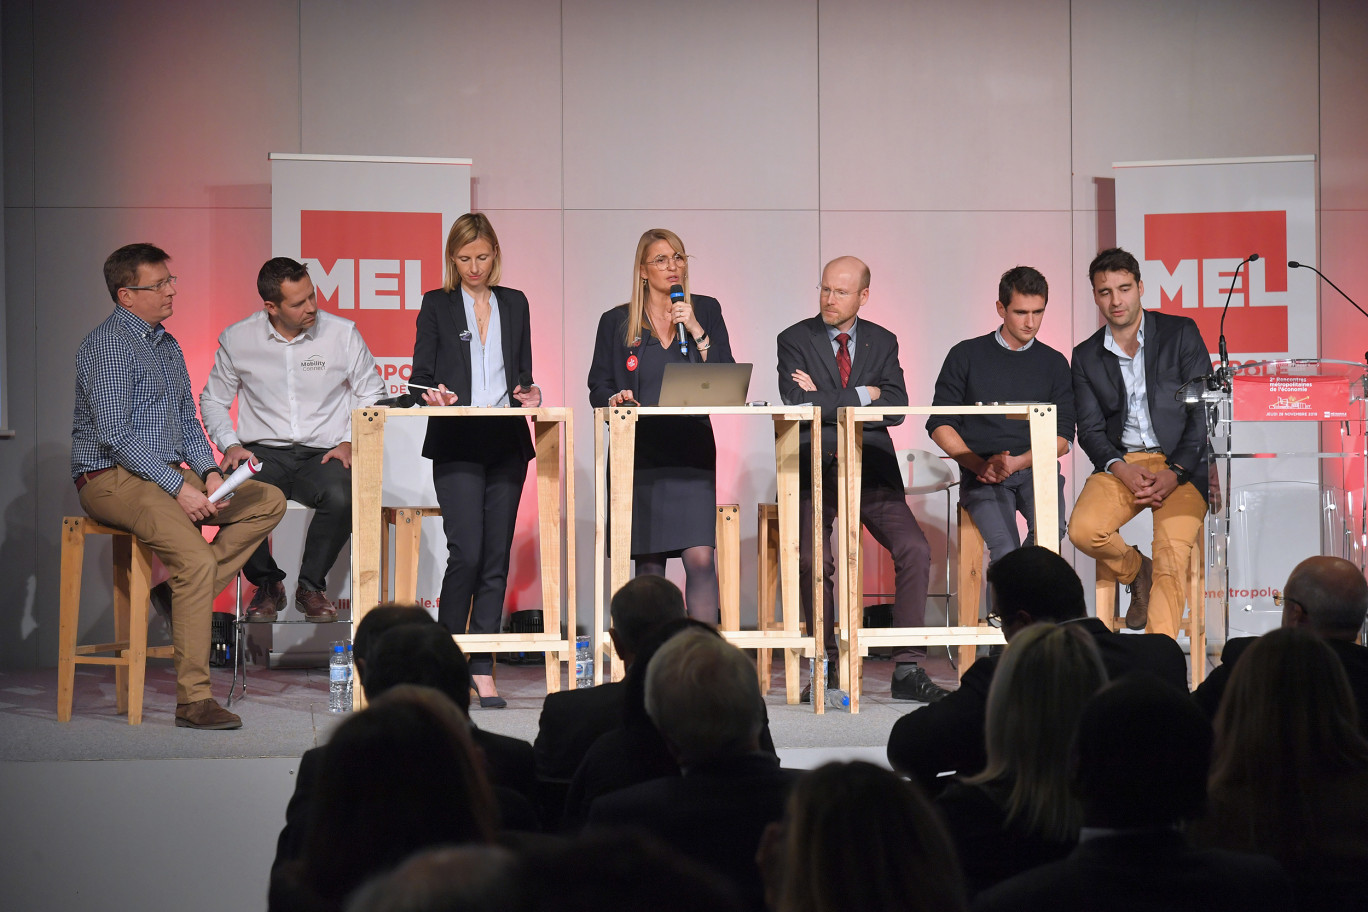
(806, 346)
(608, 373)
(440, 355)
(1174, 354)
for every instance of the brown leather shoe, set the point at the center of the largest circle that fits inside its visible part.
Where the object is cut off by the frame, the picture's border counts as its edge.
(268, 601)
(206, 715)
(314, 606)
(1137, 613)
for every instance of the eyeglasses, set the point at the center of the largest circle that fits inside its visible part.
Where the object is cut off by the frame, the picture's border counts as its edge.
(837, 293)
(1281, 598)
(155, 286)
(994, 619)
(664, 262)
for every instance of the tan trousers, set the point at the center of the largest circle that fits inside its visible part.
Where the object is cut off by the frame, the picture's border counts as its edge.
(199, 569)
(1106, 504)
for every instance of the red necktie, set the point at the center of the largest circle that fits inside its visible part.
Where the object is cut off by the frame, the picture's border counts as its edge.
(843, 357)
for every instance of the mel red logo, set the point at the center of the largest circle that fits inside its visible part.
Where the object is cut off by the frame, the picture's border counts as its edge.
(372, 268)
(1190, 261)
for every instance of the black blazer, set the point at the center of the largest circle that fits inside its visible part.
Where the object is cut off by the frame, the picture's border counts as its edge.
(441, 356)
(1174, 354)
(571, 721)
(806, 346)
(608, 373)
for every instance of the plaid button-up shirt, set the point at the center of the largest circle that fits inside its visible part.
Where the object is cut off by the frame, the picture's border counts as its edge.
(134, 406)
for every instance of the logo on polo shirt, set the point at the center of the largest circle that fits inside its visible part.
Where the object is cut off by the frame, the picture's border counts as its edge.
(313, 363)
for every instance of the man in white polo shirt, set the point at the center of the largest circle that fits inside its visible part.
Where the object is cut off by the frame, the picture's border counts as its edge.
(297, 373)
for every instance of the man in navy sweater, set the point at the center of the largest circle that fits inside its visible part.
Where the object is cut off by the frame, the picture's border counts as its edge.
(994, 452)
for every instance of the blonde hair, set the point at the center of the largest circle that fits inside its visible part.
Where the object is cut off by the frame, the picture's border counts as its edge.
(468, 229)
(1045, 678)
(636, 306)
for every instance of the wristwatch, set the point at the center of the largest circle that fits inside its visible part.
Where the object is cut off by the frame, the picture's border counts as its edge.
(1182, 474)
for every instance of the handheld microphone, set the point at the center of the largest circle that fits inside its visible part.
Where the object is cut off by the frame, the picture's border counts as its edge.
(681, 336)
(245, 470)
(1225, 356)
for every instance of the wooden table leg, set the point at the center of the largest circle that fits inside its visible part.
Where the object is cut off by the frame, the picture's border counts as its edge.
(621, 452)
(368, 473)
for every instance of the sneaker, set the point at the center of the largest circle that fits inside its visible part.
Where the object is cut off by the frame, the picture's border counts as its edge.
(268, 602)
(160, 597)
(205, 715)
(1137, 612)
(314, 606)
(911, 682)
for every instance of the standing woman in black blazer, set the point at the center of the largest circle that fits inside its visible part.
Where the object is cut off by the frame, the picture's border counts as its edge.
(674, 493)
(474, 344)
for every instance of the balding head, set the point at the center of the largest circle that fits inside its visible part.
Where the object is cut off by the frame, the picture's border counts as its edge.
(844, 290)
(853, 266)
(1327, 595)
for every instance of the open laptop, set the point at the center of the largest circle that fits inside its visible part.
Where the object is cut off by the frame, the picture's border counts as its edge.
(691, 385)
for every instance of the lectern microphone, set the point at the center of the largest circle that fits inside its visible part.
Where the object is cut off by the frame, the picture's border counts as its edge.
(1225, 355)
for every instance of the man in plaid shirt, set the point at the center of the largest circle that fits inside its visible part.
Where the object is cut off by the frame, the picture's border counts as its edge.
(141, 462)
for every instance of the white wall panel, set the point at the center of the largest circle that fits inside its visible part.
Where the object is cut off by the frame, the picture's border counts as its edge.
(1344, 128)
(460, 80)
(945, 106)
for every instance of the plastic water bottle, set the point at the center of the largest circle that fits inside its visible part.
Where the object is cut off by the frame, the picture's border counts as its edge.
(835, 697)
(584, 663)
(339, 679)
(351, 676)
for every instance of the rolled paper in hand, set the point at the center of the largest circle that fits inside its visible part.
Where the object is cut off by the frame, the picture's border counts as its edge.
(244, 471)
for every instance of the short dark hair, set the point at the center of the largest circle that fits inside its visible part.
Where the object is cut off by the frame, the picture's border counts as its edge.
(1039, 582)
(277, 270)
(374, 625)
(121, 267)
(642, 605)
(1113, 259)
(418, 654)
(1023, 280)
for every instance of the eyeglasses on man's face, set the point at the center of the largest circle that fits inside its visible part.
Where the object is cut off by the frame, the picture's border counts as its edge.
(155, 286)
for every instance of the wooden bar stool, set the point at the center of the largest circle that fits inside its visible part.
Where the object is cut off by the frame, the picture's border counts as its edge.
(1193, 622)
(132, 583)
(408, 535)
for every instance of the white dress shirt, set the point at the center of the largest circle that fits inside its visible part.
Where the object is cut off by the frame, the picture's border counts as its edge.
(1138, 431)
(289, 391)
(488, 383)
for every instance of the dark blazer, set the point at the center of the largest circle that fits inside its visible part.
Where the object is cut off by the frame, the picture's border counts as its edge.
(1174, 354)
(1143, 872)
(806, 346)
(608, 373)
(947, 736)
(440, 356)
(571, 721)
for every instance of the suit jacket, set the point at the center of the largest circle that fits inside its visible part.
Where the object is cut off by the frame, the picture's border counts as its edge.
(608, 371)
(571, 721)
(806, 346)
(1174, 354)
(440, 356)
(947, 736)
(1144, 872)
(1208, 694)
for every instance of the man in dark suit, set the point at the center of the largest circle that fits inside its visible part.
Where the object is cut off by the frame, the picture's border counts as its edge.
(703, 696)
(1026, 586)
(837, 360)
(1132, 853)
(572, 720)
(1149, 451)
(1329, 597)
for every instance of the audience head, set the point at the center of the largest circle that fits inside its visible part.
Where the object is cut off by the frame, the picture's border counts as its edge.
(400, 776)
(378, 620)
(1141, 755)
(122, 266)
(1327, 595)
(1034, 584)
(1046, 677)
(423, 654)
(857, 836)
(470, 878)
(703, 695)
(638, 608)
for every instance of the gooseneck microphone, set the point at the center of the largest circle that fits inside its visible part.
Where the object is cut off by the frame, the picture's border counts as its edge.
(1295, 265)
(1225, 355)
(681, 335)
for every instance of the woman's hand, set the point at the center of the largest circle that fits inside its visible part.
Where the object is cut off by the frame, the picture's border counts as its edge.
(681, 311)
(620, 397)
(528, 398)
(440, 396)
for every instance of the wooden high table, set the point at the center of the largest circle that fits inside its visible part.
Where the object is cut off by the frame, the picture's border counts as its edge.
(616, 476)
(855, 642)
(369, 538)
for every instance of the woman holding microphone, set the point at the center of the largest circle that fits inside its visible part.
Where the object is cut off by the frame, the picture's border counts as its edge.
(674, 493)
(474, 345)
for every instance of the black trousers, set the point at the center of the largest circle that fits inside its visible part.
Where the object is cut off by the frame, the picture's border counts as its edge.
(325, 487)
(478, 493)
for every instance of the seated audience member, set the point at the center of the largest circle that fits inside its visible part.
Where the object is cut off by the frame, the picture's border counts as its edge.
(400, 776)
(856, 836)
(1327, 596)
(1020, 812)
(703, 696)
(572, 720)
(1025, 586)
(1140, 767)
(470, 878)
(1290, 774)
